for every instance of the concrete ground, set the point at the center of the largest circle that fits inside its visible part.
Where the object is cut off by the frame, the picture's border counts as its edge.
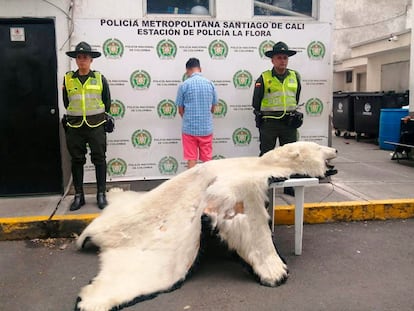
(346, 266)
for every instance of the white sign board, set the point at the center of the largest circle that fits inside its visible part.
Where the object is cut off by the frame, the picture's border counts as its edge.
(144, 63)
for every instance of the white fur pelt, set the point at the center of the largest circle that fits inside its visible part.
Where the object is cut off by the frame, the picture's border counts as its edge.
(149, 241)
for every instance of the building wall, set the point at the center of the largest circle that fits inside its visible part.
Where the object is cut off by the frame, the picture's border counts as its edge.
(374, 70)
(360, 80)
(338, 81)
(389, 74)
(364, 29)
(366, 20)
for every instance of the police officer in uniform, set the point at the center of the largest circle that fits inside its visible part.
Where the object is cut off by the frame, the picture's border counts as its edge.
(86, 98)
(276, 93)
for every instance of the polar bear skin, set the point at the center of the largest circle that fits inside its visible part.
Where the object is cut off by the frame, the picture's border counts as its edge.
(150, 241)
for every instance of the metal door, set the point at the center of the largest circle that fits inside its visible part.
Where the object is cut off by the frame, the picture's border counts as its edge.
(29, 120)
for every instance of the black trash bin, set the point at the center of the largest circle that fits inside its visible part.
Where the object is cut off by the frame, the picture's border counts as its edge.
(343, 113)
(392, 100)
(367, 109)
(403, 98)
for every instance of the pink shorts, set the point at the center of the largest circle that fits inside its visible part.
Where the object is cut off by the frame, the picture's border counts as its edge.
(197, 147)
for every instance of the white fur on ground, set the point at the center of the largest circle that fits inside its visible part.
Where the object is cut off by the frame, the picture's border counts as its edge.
(149, 241)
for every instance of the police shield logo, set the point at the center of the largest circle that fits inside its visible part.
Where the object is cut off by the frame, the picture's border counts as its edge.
(218, 49)
(168, 166)
(167, 109)
(140, 80)
(314, 107)
(117, 167)
(242, 137)
(166, 49)
(117, 109)
(242, 79)
(220, 109)
(264, 47)
(316, 50)
(141, 139)
(113, 48)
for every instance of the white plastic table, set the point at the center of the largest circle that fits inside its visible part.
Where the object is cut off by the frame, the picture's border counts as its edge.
(299, 185)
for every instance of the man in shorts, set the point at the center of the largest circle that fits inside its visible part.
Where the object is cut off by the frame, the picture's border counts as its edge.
(196, 98)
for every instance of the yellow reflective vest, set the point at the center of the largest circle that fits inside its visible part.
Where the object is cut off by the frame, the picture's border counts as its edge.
(278, 96)
(84, 99)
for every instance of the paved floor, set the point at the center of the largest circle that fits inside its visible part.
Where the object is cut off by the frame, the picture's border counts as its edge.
(346, 266)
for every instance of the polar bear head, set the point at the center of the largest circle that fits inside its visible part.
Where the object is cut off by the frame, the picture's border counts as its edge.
(302, 158)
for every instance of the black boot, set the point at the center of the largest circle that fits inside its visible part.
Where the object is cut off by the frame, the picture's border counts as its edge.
(100, 172)
(78, 201)
(77, 175)
(101, 199)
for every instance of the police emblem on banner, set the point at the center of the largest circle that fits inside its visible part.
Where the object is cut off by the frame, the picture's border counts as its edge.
(218, 49)
(242, 137)
(116, 167)
(242, 79)
(141, 139)
(166, 49)
(167, 109)
(113, 48)
(220, 109)
(168, 165)
(316, 50)
(314, 107)
(117, 109)
(264, 47)
(140, 80)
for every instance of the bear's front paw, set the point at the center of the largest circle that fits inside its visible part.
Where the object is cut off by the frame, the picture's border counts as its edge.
(276, 277)
(273, 179)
